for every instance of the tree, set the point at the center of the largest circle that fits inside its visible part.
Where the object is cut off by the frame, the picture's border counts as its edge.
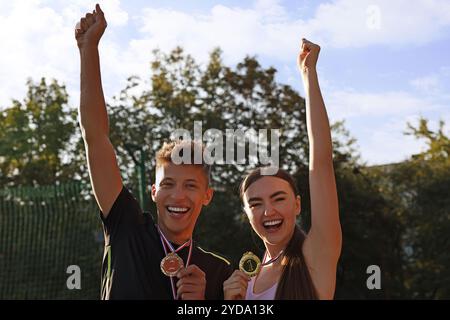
(39, 140)
(420, 187)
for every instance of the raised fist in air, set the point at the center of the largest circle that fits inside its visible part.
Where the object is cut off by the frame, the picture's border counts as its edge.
(90, 29)
(307, 58)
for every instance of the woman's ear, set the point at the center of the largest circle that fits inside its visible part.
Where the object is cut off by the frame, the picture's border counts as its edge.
(298, 205)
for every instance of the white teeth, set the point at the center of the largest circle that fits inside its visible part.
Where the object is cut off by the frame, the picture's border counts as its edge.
(178, 209)
(271, 223)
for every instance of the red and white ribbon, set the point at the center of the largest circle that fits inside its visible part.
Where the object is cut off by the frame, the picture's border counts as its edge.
(166, 243)
(263, 264)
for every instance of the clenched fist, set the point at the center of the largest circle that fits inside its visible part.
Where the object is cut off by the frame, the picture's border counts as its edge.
(191, 284)
(235, 287)
(90, 29)
(307, 58)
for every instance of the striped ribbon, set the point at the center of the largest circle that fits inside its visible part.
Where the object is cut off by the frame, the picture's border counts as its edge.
(166, 243)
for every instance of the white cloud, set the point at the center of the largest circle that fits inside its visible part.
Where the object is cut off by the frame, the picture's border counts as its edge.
(264, 29)
(76, 9)
(268, 29)
(31, 41)
(271, 9)
(435, 85)
(38, 41)
(351, 23)
(39, 34)
(378, 120)
(426, 84)
(349, 103)
(388, 143)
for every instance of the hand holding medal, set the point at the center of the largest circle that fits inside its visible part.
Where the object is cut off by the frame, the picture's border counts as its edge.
(235, 287)
(191, 284)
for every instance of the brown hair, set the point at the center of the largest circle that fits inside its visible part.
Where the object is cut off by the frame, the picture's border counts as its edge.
(295, 282)
(164, 155)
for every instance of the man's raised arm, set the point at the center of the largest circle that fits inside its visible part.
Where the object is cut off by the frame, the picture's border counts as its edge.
(103, 169)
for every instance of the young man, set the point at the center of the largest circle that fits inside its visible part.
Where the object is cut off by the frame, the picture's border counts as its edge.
(143, 260)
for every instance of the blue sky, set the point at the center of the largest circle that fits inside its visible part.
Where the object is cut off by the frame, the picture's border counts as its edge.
(382, 63)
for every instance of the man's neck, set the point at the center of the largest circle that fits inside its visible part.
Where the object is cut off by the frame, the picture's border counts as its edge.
(177, 239)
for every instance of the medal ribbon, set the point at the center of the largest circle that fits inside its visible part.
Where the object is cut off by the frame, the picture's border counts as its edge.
(166, 243)
(271, 260)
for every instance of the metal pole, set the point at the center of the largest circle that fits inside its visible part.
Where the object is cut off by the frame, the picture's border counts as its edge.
(140, 167)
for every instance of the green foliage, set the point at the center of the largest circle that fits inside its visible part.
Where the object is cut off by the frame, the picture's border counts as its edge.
(421, 189)
(39, 139)
(438, 142)
(371, 234)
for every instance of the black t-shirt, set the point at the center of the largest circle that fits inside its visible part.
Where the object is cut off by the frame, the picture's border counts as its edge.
(133, 253)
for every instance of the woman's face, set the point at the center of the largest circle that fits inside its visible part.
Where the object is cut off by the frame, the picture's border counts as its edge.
(272, 208)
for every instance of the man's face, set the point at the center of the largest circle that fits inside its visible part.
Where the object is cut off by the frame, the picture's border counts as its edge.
(180, 192)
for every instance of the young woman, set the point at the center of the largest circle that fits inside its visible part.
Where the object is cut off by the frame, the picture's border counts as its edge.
(295, 265)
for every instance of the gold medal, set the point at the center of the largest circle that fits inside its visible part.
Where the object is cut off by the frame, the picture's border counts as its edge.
(171, 264)
(249, 264)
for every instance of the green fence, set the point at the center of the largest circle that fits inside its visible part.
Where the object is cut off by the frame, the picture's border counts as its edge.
(43, 231)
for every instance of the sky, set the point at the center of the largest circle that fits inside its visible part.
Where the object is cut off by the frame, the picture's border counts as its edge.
(383, 63)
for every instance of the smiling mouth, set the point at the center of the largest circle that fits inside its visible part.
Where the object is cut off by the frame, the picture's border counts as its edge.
(272, 225)
(177, 211)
